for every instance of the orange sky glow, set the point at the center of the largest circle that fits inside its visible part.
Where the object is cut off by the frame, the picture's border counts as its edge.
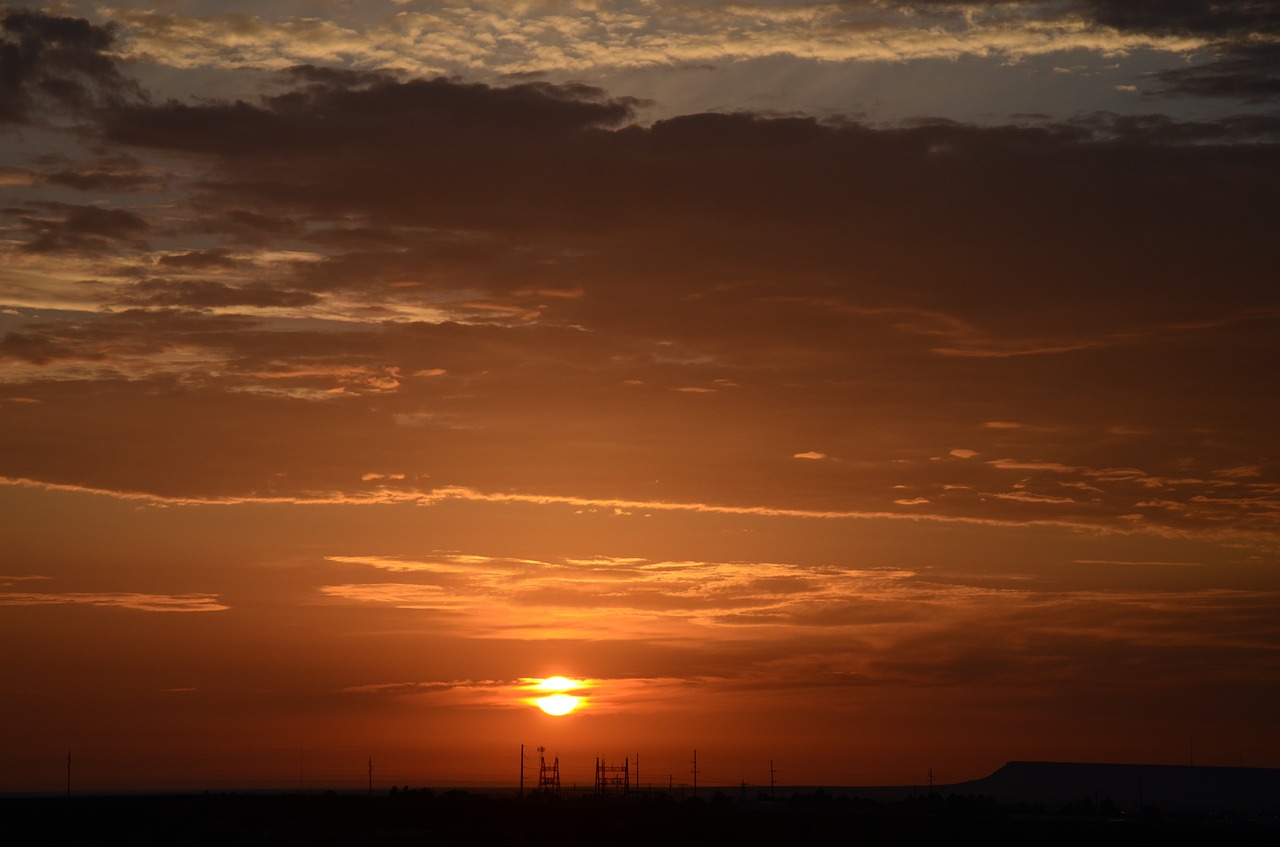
(868, 389)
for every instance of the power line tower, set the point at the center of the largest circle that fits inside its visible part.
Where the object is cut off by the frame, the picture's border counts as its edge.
(613, 779)
(548, 775)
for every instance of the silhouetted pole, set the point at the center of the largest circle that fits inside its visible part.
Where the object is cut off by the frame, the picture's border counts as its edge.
(522, 771)
(772, 794)
(695, 773)
(68, 773)
(370, 776)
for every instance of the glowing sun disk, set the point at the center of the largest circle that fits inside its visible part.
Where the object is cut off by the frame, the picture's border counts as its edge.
(558, 704)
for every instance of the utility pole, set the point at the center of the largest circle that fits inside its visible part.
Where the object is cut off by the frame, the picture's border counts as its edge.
(521, 771)
(68, 773)
(370, 776)
(695, 773)
(772, 772)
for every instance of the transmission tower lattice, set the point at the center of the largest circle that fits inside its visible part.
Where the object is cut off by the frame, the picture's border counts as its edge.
(548, 775)
(613, 779)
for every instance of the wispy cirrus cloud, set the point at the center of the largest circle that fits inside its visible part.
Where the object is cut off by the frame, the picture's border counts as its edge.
(117, 599)
(599, 598)
(7, 580)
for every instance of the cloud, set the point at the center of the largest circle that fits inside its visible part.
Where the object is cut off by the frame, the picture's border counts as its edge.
(597, 695)
(773, 627)
(1109, 562)
(207, 294)
(411, 296)
(493, 38)
(90, 229)
(7, 581)
(1242, 40)
(1011, 464)
(1246, 70)
(118, 599)
(600, 598)
(57, 63)
(1028, 497)
(1202, 17)
(109, 173)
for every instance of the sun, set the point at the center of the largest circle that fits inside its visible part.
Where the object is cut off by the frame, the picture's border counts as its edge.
(558, 704)
(558, 700)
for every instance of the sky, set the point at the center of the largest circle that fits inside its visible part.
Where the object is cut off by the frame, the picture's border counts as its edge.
(860, 390)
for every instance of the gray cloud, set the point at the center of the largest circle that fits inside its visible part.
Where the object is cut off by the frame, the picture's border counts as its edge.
(91, 229)
(56, 61)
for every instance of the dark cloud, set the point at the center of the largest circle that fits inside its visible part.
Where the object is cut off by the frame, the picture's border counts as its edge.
(1201, 17)
(591, 306)
(41, 349)
(536, 161)
(1237, 130)
(245, 227)
(1214, 18)
(63, 62)
(113, 173)
(1243, 67)
(198, 260)
(88, 229)
(419, 114)
(1246, 70)
(94, 180)
(338, 77)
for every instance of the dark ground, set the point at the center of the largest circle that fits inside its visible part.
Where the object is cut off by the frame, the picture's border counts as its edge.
(461, 818)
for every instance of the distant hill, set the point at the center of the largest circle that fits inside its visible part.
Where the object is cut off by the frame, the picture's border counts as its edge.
(1171, 788)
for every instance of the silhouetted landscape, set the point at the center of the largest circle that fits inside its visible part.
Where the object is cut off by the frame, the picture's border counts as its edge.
(1023, 802)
